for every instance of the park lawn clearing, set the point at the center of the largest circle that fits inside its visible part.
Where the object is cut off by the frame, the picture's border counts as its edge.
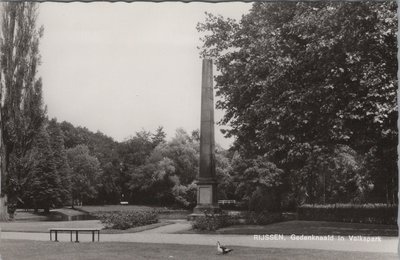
(163, 212)
(44, 226)
(39, 250)
(113, 208)
(300, 227)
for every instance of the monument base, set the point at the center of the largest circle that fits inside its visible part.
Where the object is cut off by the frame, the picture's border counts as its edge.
(201, 210)
(209, 209)
(206, 200)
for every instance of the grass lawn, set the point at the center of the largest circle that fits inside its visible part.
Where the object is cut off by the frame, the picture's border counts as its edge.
(310, 228)
(109, 208)
(44, 226)
(165, 213)
(22, 249)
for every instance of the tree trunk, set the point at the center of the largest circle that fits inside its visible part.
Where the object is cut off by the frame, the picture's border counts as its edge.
(35, 208)
(3, 197)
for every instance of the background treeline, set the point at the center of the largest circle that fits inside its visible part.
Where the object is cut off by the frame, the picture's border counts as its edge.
(69, 165)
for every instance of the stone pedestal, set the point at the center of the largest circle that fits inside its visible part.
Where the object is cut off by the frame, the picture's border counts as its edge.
(206, 198)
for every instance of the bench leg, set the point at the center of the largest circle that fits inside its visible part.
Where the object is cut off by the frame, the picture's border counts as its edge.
(71, 235)
(56, 237)
(93, 236)
(98, 236)
(76, 237)
(50, 236)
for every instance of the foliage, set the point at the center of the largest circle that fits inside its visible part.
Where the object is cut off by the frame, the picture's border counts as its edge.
(105, 149)
(42, 178)
(258, 182)
(158, 137)
(166, 178)
(60, 159)
(331, 177)
(136, 150)
(300, 80)
(43, 187)
(183, 151)
(355, 213)
(127, 219)
(185, 196)
(143, 169)
(211, 221)
(85, 172)
(226, 187)
(153, 182)
(262, 218)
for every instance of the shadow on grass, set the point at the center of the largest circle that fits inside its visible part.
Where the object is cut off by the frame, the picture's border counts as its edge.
(135, 229)
(35, 250)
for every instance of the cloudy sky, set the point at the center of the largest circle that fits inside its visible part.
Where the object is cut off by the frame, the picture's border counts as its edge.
(123, 67)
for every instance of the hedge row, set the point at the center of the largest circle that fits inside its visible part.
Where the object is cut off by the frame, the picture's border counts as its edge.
(354, 213)
(127, 219)
(211, 222)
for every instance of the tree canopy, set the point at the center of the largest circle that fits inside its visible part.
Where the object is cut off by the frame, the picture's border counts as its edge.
(297, 80)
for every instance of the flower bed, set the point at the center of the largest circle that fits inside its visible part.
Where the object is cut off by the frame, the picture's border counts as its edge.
(127, 219)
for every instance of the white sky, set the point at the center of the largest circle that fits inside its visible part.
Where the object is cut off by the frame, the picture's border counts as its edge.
(123, 67)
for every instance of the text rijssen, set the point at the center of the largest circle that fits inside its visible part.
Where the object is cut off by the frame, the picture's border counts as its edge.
(275, 237)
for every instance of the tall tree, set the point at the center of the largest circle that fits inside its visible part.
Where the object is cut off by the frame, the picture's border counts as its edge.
(60, 159)
(85, 173)
(301, 79)
(159, 136)
(21, 109)
(184, 153)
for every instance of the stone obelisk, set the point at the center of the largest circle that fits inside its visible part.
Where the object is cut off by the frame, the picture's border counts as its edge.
(206, 180)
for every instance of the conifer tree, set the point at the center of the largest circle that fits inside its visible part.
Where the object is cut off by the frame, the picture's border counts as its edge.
(44, 185)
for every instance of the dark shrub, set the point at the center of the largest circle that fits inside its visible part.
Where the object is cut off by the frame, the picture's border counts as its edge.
(354, 213)
(262, 218)
(127, 219)
(263, 200)
(211, 221)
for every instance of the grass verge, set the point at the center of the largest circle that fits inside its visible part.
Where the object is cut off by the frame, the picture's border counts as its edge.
(35, 250)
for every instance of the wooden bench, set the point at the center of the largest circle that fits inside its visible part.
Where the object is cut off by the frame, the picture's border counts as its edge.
(76, 230)
(230, 202)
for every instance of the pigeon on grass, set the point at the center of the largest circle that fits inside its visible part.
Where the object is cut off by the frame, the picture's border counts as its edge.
(223, 250)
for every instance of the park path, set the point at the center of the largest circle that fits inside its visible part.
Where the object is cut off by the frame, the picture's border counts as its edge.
(167, 235)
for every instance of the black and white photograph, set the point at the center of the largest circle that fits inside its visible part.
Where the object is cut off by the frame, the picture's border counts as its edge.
(199, 130)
